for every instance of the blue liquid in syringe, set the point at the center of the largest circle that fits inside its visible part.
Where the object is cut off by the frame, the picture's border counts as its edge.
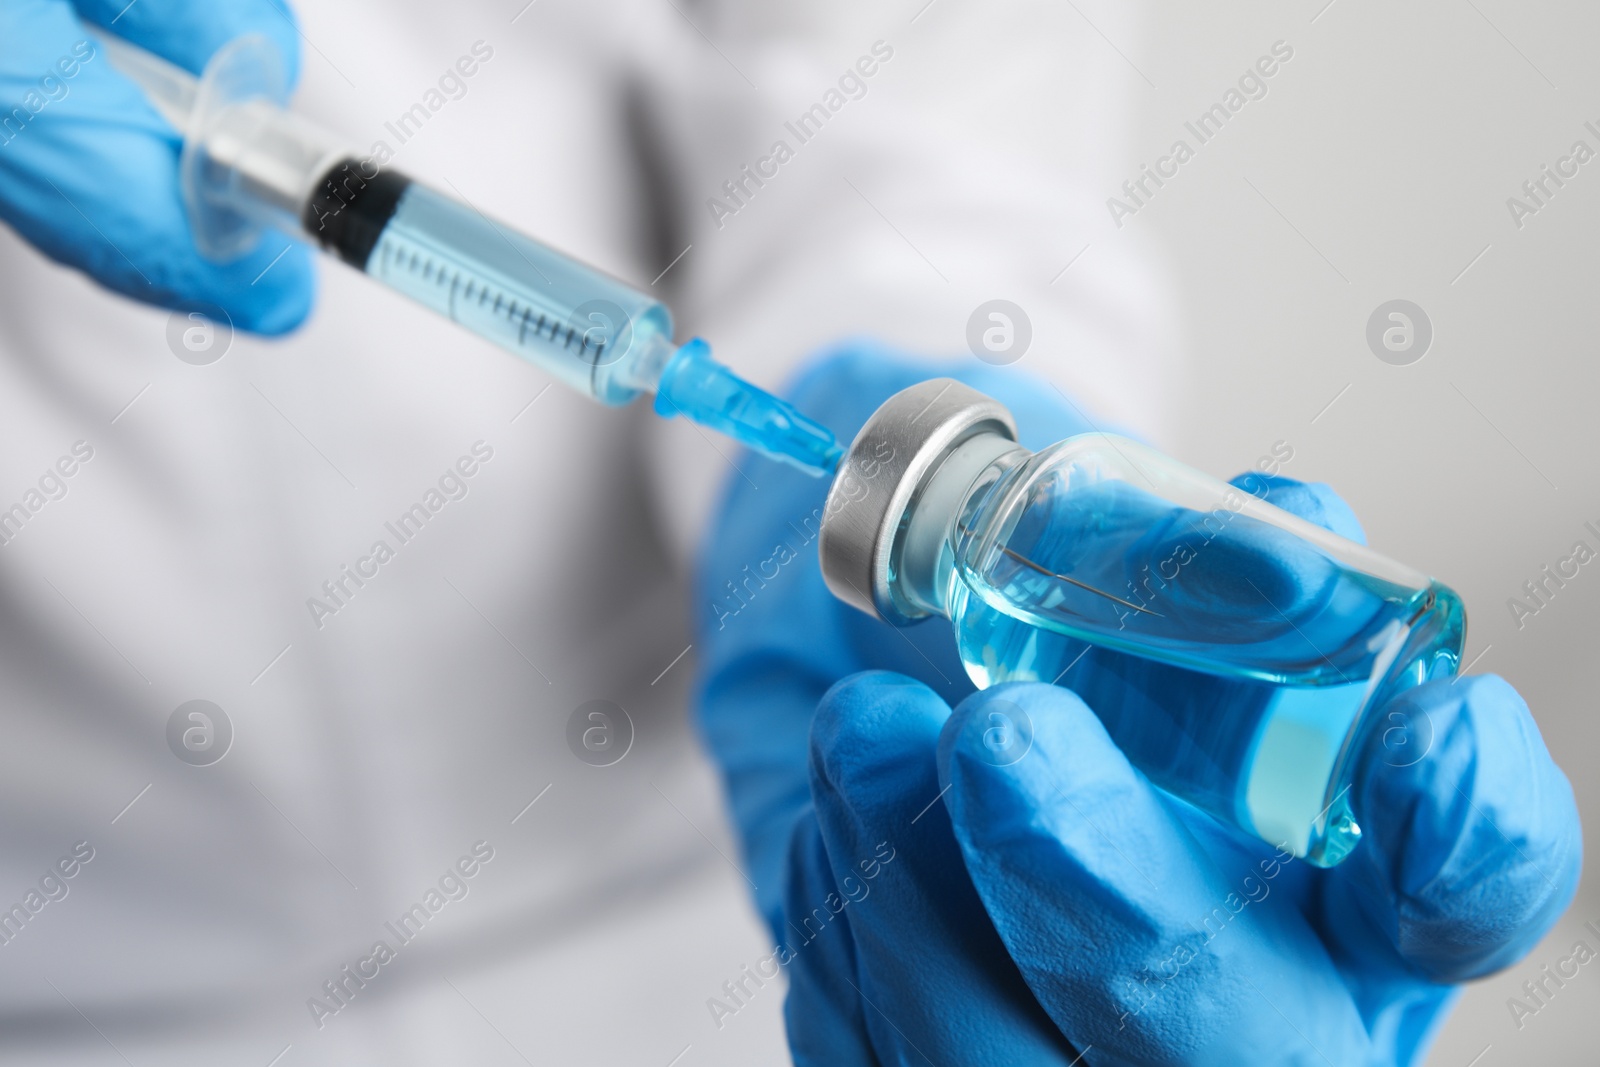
(581, 326)
(591, 331)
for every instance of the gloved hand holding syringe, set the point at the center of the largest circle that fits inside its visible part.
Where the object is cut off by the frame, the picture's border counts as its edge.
(248, 164)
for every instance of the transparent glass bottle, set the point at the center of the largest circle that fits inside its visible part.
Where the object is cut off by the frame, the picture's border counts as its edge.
(1105, 566)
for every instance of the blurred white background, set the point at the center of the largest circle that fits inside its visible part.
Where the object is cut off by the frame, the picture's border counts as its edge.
(1378, 167)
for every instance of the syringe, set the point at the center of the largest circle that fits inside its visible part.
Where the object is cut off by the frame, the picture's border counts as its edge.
(249, 163)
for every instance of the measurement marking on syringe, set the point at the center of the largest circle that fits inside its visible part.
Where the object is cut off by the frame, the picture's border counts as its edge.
(459, 291)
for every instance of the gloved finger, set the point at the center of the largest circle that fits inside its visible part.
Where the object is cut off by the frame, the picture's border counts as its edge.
(1472, 845)
(188, 32)
(1235, 579)
(1207, 572)
(1133, 939)
(935, 980)
(1312, 501)
(825, 1013)
(89, 172)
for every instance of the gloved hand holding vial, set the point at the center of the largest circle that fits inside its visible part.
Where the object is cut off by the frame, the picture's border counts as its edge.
(1099, 544)
(1219, 797)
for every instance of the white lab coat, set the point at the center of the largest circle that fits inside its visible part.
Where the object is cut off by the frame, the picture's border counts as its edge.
(376, 748)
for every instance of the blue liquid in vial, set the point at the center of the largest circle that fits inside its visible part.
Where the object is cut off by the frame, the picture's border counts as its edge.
(1255, 656)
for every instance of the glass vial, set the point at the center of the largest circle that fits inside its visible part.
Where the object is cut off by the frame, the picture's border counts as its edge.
(1239, 655)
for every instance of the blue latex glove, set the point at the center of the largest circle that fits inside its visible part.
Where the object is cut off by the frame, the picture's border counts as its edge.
(89, 171)
(933, 906)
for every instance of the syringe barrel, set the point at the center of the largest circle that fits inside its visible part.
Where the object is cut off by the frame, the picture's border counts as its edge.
(595, 333)
(591, 331)
(250, 163)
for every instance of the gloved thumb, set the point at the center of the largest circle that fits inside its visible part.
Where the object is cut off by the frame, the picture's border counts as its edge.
(89, 171)
(918, 940)
(1133, 938)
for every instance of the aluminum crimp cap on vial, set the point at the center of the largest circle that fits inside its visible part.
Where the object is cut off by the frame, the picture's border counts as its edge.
(893, 455)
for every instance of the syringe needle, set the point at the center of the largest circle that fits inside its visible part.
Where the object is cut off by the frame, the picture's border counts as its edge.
(700, 389)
